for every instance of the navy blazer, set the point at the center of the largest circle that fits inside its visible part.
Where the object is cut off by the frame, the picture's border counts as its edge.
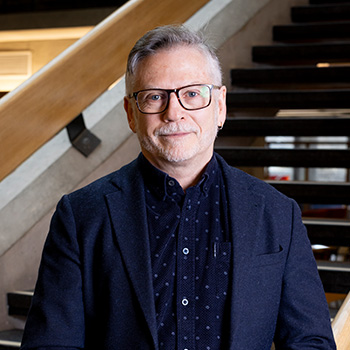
(95, 291)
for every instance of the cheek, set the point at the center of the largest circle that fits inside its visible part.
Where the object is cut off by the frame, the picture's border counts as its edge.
(144, 126)
(207, 123)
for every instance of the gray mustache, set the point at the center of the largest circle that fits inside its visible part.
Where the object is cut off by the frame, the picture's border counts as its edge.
(172, 129)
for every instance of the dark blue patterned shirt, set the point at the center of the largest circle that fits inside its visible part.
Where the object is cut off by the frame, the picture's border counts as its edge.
(191, 259)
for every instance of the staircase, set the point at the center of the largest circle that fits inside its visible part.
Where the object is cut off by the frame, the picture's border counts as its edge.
(299, 88)
(287, 94)
(18, 306)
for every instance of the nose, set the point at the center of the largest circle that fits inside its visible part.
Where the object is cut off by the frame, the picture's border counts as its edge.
(174, 111)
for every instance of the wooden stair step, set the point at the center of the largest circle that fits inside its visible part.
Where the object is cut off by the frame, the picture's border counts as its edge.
(289, 99)
(335, 277)
(19, 302)
(320, 2)
(321, 12)
(296, 126)
(311, 31)
(290, 75)
(314, 192)
(308, 158)
(281, 54)
(11, 339)
(328, 232)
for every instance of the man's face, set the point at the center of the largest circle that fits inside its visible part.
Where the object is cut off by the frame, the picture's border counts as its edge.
(176, 135)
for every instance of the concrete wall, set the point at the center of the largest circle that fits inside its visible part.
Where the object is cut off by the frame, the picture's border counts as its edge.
(19, 265)
(236, 51)
(29, 195)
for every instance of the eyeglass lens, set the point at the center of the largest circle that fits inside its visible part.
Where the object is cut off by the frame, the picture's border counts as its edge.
(191, 97)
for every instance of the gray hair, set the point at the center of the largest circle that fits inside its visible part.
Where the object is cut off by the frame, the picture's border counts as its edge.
(166, 37)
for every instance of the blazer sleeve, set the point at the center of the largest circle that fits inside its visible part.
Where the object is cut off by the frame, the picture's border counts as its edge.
(303, 321)
(56, 317)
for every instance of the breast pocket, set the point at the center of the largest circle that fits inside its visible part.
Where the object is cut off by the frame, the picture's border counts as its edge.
(222, 255)
(269, 258)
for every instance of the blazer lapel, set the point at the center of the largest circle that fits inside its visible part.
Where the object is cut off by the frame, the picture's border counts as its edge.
(129, 219)
(245, 215)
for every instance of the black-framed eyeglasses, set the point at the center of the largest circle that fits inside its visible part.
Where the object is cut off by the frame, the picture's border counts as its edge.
(191, 97)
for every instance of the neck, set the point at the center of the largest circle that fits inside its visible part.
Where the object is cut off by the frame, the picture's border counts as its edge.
(187, 172)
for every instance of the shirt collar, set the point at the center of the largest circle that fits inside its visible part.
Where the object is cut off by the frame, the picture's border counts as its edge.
(162, 185)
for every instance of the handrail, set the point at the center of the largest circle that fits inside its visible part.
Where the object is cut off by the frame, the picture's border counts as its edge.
(341, 325)
(43, 105)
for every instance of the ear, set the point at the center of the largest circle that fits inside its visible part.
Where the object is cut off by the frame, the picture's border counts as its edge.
(130, 112)
(222, 106)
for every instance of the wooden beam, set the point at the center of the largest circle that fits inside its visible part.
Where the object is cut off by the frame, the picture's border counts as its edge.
(341, 325)
(41, 107)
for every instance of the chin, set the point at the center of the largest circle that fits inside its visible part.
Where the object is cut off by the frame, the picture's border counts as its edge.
(175, 155)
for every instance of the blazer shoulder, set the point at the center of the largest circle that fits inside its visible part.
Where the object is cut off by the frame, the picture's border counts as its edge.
(115, 181)
(239, 180)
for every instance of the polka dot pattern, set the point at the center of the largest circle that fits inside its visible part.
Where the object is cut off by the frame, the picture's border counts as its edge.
(191, 259)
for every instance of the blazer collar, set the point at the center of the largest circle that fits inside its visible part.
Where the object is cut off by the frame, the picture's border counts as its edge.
(245, 214)
(129, 219)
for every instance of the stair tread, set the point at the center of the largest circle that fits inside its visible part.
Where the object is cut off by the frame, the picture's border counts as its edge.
(11, 338)
(315, 2)
(310, 31)
(328, 232)
(329, 265)
(309, 158)
(284, 126)
(320, 12)
(335, 276)
(289, 99)
(287, 75)
(335, 281)
(19, 302)
(302, 52)
(316, 192)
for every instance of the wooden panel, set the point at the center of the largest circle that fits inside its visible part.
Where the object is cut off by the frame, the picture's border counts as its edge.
(32, 114)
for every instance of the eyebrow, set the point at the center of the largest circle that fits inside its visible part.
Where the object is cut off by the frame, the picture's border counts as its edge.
(159, 88)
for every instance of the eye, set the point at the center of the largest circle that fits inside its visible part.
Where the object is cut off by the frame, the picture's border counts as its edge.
(189, 94)
(192, 93)
(154, 97)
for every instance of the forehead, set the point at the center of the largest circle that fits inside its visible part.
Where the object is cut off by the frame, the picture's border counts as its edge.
(171, 68)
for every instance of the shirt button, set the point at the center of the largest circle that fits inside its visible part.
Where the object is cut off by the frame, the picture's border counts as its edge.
(171, 182)
(184, 302)
(185, 251)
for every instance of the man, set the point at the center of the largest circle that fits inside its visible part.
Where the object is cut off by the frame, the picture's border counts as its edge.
(177, 250)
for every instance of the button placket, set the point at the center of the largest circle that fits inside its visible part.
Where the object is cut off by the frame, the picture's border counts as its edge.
(186, 274)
